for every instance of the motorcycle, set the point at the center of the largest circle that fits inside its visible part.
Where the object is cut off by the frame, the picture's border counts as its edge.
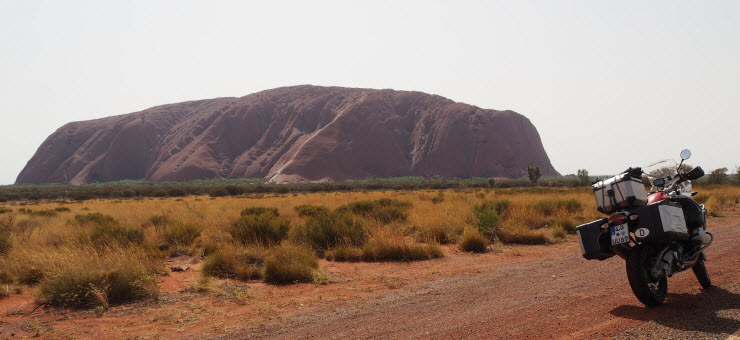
(658, 234)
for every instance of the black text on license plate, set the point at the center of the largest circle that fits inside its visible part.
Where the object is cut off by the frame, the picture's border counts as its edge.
(620, 234)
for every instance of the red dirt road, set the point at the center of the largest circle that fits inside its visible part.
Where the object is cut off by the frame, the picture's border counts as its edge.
(559, 296)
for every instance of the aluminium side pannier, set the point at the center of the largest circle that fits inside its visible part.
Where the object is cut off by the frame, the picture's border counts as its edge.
(595, 241)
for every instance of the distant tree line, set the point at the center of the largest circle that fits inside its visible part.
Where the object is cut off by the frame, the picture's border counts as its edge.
(219, 188)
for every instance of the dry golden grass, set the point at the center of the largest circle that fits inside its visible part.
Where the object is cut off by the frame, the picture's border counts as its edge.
(35, 247)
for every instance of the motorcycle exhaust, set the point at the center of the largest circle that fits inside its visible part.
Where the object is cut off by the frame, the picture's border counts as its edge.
(701, 236)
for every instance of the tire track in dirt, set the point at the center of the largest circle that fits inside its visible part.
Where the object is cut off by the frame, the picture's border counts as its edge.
(563, 296)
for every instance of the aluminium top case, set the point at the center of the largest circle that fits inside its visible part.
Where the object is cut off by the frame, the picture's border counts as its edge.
(623, 191)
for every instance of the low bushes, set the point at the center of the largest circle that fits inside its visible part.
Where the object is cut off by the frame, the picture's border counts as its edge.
(96, 219)
(473, 241)
(261, 226)
(184, 234)
(523, 235)
(108, 234)
(290, 264)
(550, 207)
(330, 229)
(236, 263)
(260, 211)
(384, 210)
(488, 216)
(87, 278)
(344, 253)
(566, 224)
(311, 210)
(387, 246)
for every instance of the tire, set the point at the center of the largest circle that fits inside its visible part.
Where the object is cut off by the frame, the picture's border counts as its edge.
(649, 291)
(700, 270)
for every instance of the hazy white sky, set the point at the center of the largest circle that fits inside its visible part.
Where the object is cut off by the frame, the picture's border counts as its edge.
(607, 84)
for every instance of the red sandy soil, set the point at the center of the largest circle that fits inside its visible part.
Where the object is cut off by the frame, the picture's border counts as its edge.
(513, 292)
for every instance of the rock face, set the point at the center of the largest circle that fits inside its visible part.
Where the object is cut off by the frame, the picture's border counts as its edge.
(294, 134)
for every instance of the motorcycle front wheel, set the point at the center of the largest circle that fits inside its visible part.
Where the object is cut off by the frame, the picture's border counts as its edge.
(648, 290)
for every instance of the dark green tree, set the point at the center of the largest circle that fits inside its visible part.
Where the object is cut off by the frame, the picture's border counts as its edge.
(583, 178)
(534, 173)
(718, 176)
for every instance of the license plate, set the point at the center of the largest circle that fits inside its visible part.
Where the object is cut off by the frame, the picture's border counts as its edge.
(620, 234)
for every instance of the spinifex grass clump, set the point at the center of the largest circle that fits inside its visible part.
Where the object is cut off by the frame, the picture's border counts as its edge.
(235, 262)
(329, 229)
(473, 241)
(86, 277)
(180, 233)
(384, 210)
(260, 225)
(387, 245)
(566, 224)
(106, 230)
(344, 253)
(290, 264)
(550, 207)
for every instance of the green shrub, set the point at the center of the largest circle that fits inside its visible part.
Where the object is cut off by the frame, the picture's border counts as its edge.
(96, 219)
(179, 233)
(218, 192)
(62, 209)
(265, 228)
(242, 264)
(488, 216)
(311, 210)
(549, 207)
(500, 206)
(290, 264)
(108, 234)
(473, 241)
(327, 230)
(5, 210)
(259, 211)
(384, 210)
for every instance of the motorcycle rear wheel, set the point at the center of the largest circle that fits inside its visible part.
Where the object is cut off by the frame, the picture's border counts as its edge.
(649, 291)
(700, 270)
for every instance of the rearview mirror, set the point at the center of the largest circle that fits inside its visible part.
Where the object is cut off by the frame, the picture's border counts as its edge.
(685, 154)
(659, 182)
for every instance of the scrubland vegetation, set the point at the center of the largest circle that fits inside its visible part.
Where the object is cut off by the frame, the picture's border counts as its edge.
(98, 253)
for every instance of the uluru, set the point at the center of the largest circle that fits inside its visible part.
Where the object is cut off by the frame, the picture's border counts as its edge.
(294, 134)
